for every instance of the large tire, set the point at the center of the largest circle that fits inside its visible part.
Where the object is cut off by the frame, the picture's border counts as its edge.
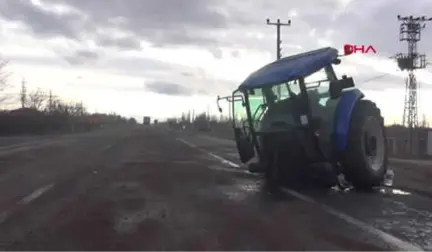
(365, 160)
(282, 159)
(244, 146)
(269, 160)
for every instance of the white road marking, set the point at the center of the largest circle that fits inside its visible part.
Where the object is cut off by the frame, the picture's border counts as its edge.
(223, 160)
(38, 192)
(35, 194)
(26, 200)
(26, 147)
(24, 144)
(388, 238)
(188, 144)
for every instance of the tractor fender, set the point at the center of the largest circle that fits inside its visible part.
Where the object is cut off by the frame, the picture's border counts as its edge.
(343, 114)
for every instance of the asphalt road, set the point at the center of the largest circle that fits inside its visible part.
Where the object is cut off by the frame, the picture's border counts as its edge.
(141, 188)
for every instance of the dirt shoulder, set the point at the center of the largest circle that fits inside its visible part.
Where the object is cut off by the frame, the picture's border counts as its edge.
(152, 192)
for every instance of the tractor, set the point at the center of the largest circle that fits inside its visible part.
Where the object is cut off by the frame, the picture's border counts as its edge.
(304, 125)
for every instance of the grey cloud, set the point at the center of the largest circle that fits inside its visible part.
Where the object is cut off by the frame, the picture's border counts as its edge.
(366, 22)
(161, 22)
(77, 57)
(241, 10)
(197, 23)
(123, 43)
(312, 14)
(217, 87)
(168, 88)
(142, 67)
(82, 82)
(191, 86)
(187, 74)
(180, 22)
(203, 92)
(216, 52)
(377, 25)
(87, 54)
(82, 56)
(34, 60)
(214, 24)
(41, 22)
(379, 82)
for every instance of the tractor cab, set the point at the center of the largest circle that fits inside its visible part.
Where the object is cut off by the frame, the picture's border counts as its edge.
(298, 102)
(295, 112)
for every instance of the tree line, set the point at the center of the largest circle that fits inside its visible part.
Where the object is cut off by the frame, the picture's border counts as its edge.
(200, 122)
(43, 112)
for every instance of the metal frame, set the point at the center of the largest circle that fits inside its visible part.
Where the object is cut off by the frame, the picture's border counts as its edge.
(242, 95)
(250, 122)
(304, 99)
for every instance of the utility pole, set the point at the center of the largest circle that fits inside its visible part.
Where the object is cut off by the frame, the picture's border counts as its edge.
(50, 102)
(278, 25)
(410, 31)
(23, 94)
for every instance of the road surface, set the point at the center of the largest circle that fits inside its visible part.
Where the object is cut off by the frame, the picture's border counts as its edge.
(144, 188)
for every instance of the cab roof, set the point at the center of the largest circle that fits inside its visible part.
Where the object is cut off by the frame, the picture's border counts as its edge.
(290, 68)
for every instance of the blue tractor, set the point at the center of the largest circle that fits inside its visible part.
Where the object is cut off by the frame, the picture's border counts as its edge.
(303, 123)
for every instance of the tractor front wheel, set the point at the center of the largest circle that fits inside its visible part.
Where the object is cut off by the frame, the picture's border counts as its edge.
(365, 160)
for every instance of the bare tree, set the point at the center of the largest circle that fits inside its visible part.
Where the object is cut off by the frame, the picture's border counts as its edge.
(37, 99)
(78, 109)
(4, 76)
(58, 106)
(424, 123)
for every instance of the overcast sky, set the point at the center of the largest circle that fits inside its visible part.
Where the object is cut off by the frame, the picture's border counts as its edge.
(162, 57)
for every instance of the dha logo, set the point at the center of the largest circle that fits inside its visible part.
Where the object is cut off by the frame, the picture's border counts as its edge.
(350, 49)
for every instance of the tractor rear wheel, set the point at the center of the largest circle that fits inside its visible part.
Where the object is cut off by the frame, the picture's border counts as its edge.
(365, 159)
(283, 160)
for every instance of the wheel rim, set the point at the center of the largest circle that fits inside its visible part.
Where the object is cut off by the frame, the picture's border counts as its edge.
(373, 143)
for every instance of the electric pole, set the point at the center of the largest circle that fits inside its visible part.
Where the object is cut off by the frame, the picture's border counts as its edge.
(50, 102)
(278, 25)
(23, 93)
(410, 31)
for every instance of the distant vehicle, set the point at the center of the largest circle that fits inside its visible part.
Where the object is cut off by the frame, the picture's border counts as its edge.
(146, 120)
(155, 121)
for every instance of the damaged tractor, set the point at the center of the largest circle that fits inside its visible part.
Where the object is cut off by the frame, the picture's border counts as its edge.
(305, 125)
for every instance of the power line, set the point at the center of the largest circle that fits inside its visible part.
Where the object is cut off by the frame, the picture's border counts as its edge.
(375, 77)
